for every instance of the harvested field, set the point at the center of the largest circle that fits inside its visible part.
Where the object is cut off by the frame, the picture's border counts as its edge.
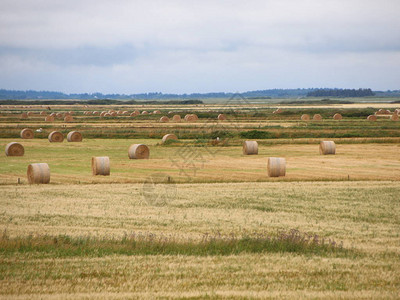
(199, 219)
(362, 215)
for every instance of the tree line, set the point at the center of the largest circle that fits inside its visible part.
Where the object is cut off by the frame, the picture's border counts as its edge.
(341, 93)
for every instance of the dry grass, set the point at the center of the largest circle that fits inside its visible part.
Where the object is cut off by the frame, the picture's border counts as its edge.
(364, 215)
(341, 210)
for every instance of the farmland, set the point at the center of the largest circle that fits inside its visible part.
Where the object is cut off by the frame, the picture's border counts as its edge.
(200, 219)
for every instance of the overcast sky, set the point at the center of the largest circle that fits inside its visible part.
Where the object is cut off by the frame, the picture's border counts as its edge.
(121, 46)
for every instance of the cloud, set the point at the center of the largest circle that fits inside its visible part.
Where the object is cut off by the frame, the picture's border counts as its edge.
(190, 46)
(84, 55)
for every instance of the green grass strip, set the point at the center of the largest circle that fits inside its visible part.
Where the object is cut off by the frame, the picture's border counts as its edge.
(150, 244)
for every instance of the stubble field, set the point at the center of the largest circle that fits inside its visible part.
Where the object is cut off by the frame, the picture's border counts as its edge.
(179, 225)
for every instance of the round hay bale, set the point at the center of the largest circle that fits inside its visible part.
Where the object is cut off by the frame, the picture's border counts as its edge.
(125, 112)
(68, 118)
(138, 151)
(176, 118)
(53, 115)
(38, 173)
(394, 117)
(145, 112)
(276, 166)
(74, 136)
(250, 148)
(71, 113)
(114, 114)
(59, 115)
(95, 113)
(221, 117)
(164, 119)
(371, 118)
(383, 112)
(135, 113)
(337, 117)
(101, 165)
(380, 111)
(156, 112)
(49, 119)
(24, 116)
(327, 147)
(15, 149)
(305, 117)
(26, 133)
(43, 113)
(103, 114)
(119, 112)
(317, 117)
(107, 115)
(30, 113)
(191, 118)
(169, 136)
(56, 137)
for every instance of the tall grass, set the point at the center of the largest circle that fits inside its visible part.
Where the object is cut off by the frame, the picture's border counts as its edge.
(151, 244)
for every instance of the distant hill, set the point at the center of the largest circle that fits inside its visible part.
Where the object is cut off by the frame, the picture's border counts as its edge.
(93, 102)
(259, 94)
(274, 93)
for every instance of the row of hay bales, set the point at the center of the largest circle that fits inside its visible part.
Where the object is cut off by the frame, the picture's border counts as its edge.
(318, 117)
(373, 118)
(40, 172)
(394, 116)
(114, 113)
(110, 113)
(45, 113)
(276, 166)
(17, 149)
(67, 116)
(189, 118)
(54, 136)
(325, 147)
(163, 119)
(387, 112)
(177, 118)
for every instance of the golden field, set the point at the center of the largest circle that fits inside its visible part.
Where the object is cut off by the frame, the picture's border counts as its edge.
(72, 238)
(362, 215)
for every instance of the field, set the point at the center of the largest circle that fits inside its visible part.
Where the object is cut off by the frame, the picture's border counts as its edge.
(199, 219)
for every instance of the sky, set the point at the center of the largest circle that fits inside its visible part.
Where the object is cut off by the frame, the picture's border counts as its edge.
(129, 46)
